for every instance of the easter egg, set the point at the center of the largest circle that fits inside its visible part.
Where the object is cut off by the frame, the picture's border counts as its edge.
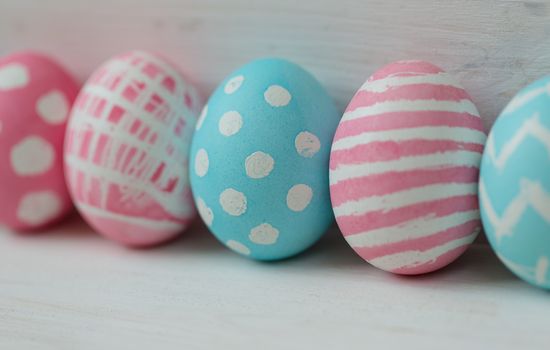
(514, 186)
(404, 167)
(126, 151)
(36, 94)
(259, 160)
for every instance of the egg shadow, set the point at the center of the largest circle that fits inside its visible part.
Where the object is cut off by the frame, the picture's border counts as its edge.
(477, 267)
(196, 239)
(331, 251)
(72, 227)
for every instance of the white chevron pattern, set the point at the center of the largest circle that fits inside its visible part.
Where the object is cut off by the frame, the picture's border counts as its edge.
(538, 273)
(531, 128)
(521, 100)
(531, 194)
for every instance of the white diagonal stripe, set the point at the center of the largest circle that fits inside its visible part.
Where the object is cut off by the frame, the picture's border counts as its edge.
(413, 258)
(523, 99)
(443, 133)
(535, 195)
(504, 226)
(462, 106)
(530, 128)
(384, 84)
(418, 228)
(425, 162)
(537, 273)
(404, 198)
(541, 270)
(531, 194)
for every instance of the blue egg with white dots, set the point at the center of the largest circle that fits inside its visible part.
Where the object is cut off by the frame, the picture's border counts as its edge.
(514, 187)
(259, 160)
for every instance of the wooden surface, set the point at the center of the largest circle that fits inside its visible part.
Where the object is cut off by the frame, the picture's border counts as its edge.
(493, 46)
(70, 289)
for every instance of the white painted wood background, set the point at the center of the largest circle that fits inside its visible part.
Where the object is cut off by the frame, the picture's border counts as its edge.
(71, 289)
(493, 46)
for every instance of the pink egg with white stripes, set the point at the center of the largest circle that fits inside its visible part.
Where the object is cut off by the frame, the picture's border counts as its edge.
(404, 168)
(126, 150)
(36, 94)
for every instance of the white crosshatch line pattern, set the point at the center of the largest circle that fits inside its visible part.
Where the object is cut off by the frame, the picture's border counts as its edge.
(147, 156)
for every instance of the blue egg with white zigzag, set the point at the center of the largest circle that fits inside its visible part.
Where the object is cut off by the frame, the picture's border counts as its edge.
(514, 187)
(259, 160)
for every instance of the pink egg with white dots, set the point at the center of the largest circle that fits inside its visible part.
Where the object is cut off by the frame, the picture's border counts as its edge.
(126, 150)
(36, 94)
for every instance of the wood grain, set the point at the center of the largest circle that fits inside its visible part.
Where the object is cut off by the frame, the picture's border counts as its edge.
(494, 46)
(71, 289)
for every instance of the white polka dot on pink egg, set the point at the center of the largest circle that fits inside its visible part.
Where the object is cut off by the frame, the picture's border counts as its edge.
(36, 94)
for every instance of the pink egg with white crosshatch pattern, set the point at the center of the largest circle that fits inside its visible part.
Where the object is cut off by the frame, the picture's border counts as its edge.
(404, 169)
(126, 150)
(36, 94)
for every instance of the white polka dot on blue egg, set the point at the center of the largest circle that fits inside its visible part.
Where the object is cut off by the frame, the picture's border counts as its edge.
(259, 160)
(514, 185)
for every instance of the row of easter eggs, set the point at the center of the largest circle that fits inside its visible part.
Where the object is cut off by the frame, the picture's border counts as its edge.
(272, 161)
